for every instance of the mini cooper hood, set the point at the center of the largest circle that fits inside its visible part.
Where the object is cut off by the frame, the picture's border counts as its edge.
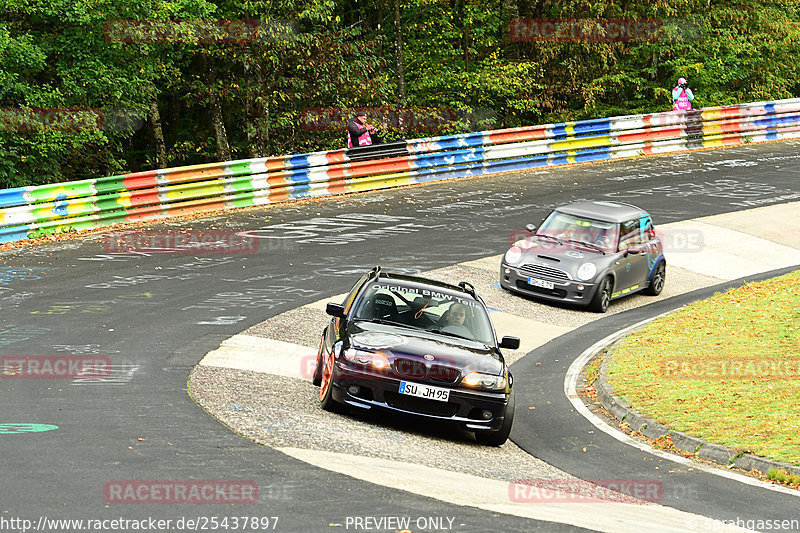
(568, 257)
(399, 341)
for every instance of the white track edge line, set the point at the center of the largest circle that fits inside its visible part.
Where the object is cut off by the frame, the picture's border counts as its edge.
(570, 390)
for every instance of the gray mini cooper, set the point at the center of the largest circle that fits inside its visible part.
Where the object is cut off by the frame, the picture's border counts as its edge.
(587, 253)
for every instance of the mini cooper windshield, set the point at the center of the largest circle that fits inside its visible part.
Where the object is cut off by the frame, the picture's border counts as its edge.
(442, 312)
(570, 228)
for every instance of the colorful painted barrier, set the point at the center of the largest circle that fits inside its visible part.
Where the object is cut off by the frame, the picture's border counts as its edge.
(30, 212)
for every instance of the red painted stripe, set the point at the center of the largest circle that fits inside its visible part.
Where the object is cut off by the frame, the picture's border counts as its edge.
(650, 135)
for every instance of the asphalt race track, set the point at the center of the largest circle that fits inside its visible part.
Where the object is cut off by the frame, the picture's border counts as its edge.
(155, 315)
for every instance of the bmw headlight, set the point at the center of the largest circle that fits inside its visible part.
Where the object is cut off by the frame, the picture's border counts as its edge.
(378, 361)
(513, 255)
(478, 380)
(587, 271)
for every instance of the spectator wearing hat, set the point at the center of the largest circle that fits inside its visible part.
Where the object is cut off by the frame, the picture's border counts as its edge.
(682, 96)
(358, 131)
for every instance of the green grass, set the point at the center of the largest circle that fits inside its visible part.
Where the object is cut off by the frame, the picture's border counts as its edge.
(726, 369)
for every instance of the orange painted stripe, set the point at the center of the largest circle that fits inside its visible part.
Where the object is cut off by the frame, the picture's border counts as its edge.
(337, 186)
(146, 197)
(277, 186)
(335, 157)
(514, 135)
(139, 180)
(274, 164)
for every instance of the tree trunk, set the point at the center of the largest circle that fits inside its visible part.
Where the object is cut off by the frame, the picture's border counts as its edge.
(223, 148)
(510, 11)
(398, 39)
(158, 134)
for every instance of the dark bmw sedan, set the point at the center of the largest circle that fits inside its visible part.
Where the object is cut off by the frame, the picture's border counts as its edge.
(589, 254)
(419, 347)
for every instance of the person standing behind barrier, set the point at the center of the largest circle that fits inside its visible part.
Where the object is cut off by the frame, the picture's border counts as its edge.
(682, 96)
(358, 131)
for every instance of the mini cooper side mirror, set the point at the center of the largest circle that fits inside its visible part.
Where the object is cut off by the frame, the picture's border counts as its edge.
(336, 310)
(531, 228)
(512, 343)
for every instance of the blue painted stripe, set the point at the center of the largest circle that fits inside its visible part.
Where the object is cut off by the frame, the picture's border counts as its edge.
(299, 177)
(449, 158)
(777, 120)
(12, 197)
(594, 154)
(298, 161)
(14, 233)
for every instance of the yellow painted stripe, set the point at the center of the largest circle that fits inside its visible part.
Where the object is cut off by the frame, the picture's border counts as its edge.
(577, 144)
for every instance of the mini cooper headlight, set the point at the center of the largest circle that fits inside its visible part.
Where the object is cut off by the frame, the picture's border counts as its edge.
(513, 255)
(587, 271)
(378, 361)
(478, 380)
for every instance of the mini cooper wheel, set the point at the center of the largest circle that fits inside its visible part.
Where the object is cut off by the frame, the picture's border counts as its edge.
(326, 400)
(497, 438)
(657, 280)
(602, 298)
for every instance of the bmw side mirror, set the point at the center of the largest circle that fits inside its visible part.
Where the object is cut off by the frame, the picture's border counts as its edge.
(336, 310)
(531, 228)
(512, 343)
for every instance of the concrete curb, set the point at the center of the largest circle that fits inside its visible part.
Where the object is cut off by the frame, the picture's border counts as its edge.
(697, 447)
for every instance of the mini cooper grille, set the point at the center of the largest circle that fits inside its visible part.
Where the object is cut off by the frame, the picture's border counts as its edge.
(418, 370)
(541, 270)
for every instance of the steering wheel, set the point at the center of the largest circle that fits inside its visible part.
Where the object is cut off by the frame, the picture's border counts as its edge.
(458, 329)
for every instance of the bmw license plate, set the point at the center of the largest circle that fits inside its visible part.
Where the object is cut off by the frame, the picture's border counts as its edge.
(541, 283)
(424, 391)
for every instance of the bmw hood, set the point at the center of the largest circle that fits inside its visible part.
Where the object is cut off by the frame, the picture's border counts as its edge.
(424, 346)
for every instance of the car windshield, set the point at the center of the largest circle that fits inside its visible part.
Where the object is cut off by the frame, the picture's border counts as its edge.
(440, 311)
(566, 227)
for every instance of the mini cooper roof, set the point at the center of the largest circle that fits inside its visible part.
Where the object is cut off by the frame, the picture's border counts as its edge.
(606, 211)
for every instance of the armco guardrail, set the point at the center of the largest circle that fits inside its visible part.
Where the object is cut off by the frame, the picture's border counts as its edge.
(29, 212)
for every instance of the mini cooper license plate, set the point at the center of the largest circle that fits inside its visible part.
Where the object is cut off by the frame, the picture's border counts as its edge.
(424, 391)
(541, 283)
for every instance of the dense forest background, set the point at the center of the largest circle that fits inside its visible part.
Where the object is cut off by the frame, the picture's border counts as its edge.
(90, 88)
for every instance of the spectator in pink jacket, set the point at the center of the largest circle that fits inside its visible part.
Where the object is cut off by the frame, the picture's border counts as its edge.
(682, 96)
